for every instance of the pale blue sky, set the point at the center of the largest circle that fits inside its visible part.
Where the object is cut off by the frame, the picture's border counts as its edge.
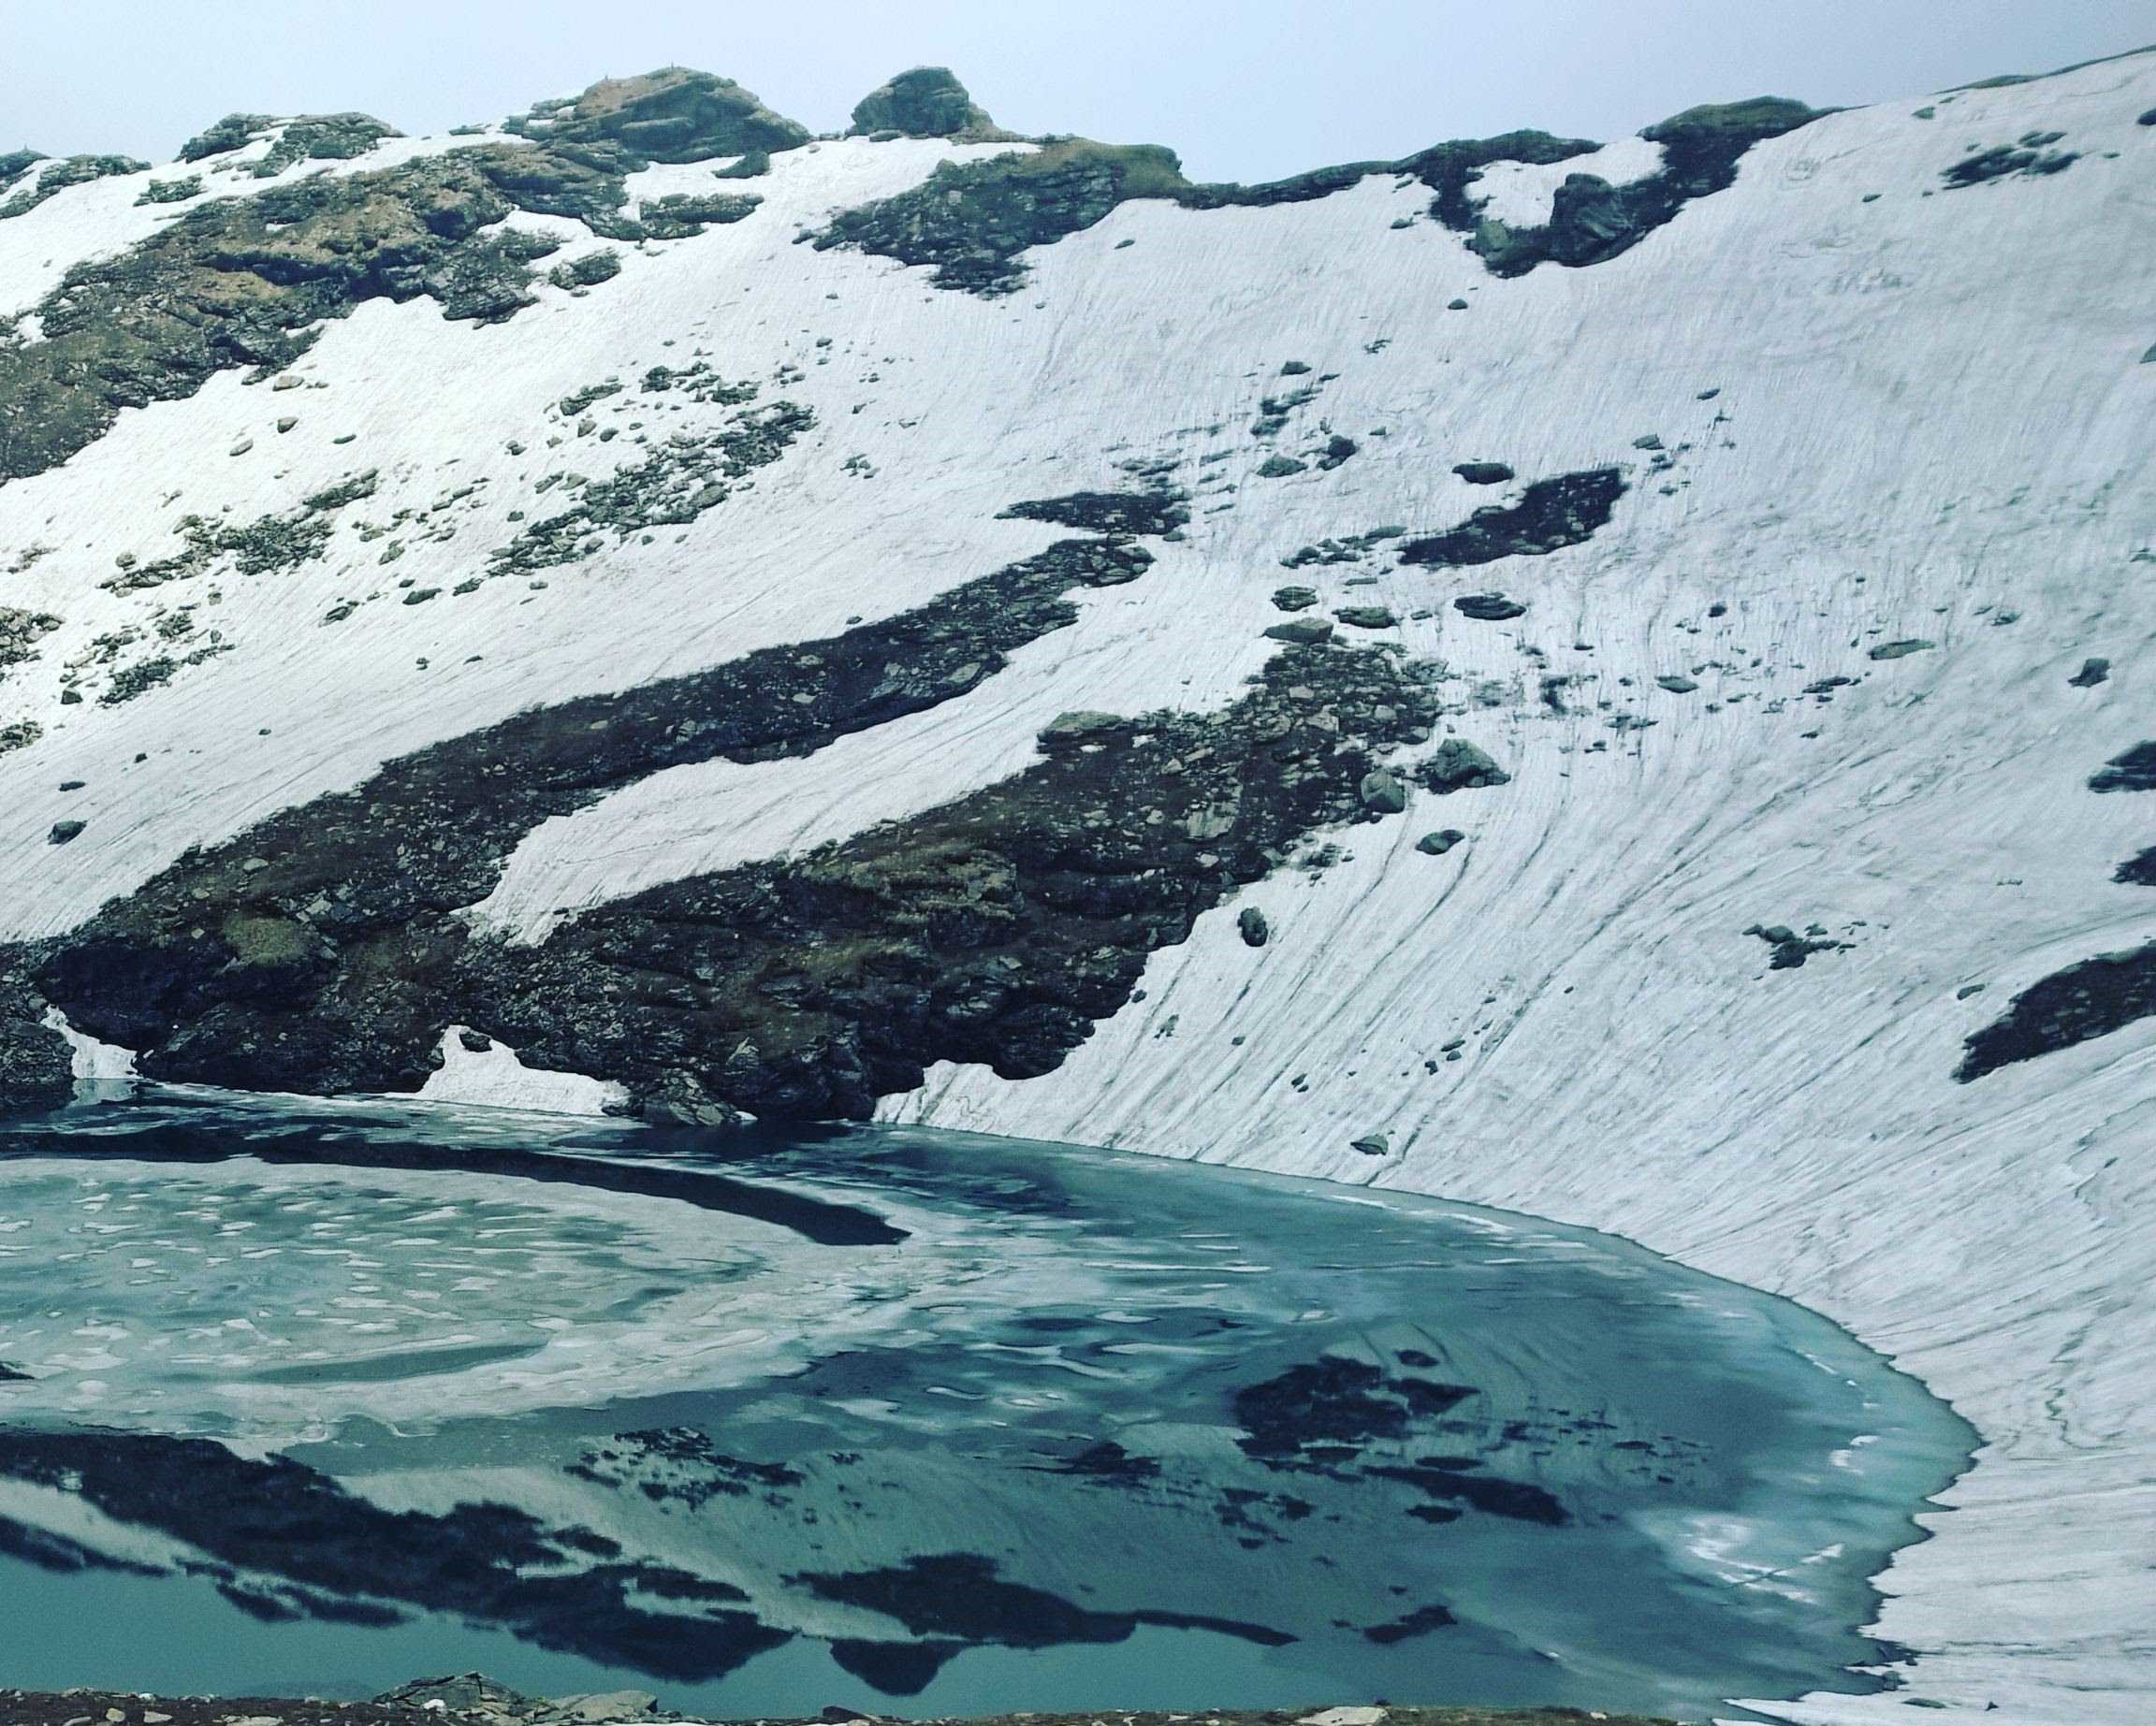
(1244, 89)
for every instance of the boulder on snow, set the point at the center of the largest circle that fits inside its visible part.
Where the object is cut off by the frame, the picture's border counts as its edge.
(1458, 766)
(1383, 794)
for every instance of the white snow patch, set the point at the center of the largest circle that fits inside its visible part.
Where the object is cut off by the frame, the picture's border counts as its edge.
(494, 1078)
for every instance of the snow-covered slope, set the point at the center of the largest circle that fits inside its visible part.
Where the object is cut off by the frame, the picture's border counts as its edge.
(1799, 739)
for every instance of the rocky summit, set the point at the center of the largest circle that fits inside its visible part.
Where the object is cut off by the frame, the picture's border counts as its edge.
(1594, 678)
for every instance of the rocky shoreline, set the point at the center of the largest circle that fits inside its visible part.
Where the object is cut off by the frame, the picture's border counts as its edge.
(471, 1698)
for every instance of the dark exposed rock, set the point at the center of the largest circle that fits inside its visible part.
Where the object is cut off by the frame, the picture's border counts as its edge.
(389, 861)
(1372, 1144)
(64, 832)
(233, 132)
(1383, 793)
(36, 1067)
(670, 115)
(1592, 221)
(994, 931)
(2092, 673)
(1251, 926)
(248, 282)
(670, 486)
(2139, 870)
(322, 138)
(2029, 157)
(973, 220)
(2090, 999)
(1437, 844)
(268, 545)
(1488, 607)
(1367, 616)
(1280, 467)
(1550, 514)
(1677, 685)
(683, 215)
(1458, 766)
(586, 271)
(1791, 950)
(20, 632)
(1303, 632)
(998, 929)
(1107, 511)
(1483, 473)
(14, 164)
(1900, 649)
(57, 177)
(928, 101)
(2134, 770)
(1294, 599)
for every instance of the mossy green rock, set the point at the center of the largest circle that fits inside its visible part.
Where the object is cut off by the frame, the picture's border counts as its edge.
(671, 115)
(233, 132)
(69, 171)
(926, 102)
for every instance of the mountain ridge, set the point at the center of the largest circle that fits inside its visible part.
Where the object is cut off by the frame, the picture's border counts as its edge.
(1766, 763)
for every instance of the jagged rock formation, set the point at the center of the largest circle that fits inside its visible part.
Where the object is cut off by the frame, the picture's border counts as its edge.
(503, 580)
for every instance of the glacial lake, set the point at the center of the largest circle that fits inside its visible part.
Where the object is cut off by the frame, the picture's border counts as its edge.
(318, 1398)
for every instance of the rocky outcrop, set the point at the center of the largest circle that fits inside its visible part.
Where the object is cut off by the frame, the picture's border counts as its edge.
(1552, 514)
(1592, 221)
(972, 222)
(72, 171)
(238, 283)
(671, 115)
(925, 102)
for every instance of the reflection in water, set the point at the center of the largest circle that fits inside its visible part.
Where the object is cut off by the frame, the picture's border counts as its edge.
(313, 1390)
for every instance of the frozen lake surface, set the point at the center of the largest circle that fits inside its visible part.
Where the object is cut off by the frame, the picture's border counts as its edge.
(303, 1396)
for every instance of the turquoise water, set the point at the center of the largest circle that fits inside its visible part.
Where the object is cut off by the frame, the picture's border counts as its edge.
(320, 1397)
